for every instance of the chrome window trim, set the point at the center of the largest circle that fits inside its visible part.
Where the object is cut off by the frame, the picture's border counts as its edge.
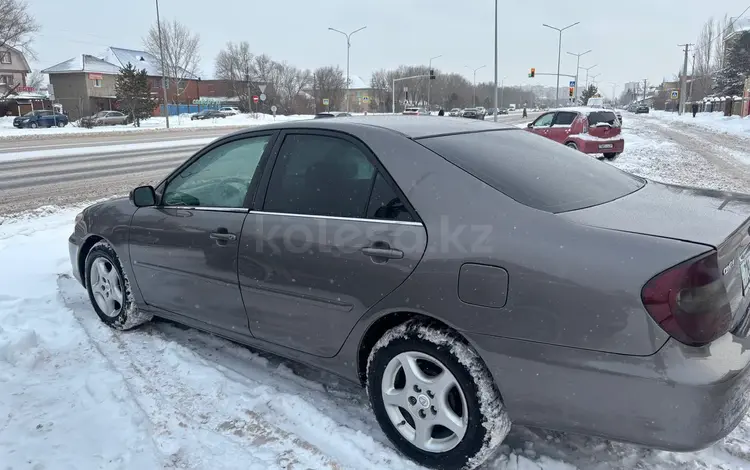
(348, 219)
(238, 210)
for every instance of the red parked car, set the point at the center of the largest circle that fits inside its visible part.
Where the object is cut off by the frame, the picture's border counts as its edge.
(590, 130)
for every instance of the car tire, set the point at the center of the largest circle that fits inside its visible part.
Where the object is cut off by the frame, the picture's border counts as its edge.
(572, 145)
(610, 155)
(33, 125)
(436, 377)
(110, 290)
(61, 124)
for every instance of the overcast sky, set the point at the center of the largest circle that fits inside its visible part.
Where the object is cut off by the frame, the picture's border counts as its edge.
(631, 40)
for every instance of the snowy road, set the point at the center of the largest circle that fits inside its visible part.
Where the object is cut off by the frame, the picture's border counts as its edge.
(77, 395)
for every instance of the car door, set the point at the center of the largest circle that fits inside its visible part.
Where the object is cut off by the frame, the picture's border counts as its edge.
(45, 119)
(542, 124)
(184, 250)
(331, 237)
(561, 126)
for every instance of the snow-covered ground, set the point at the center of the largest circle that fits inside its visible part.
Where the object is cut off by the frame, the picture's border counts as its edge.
(716, 122)
(76, 395)
(155, 123)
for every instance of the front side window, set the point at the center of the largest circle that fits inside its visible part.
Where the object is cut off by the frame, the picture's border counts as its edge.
(320, 175)
(545, 120)
(219, 178)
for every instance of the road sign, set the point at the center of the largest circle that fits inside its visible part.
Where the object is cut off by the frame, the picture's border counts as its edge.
(274, 108)
(255, 98)
(325, 101)
(406, 88)
(675, 94)
(263, 97)
(262, 88)
(365, 99)
(572, 83)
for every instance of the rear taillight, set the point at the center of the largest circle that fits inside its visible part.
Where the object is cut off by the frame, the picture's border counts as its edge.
(689, 301)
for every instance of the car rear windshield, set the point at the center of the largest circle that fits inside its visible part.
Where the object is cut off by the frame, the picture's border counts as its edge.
(533, 170)
(600, 117)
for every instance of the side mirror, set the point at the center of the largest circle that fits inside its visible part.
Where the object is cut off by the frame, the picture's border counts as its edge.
(143, 196)
(530, 125)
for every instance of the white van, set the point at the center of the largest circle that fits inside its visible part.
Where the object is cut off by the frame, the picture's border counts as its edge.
(595, 103)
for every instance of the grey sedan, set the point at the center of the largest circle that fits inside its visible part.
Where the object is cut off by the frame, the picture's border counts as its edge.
(467, 275)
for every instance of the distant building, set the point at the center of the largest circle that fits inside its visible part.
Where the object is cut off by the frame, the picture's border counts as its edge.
(360, 94)
(13, 69)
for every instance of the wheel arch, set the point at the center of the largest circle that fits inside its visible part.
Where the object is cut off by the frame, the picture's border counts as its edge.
(392, 319)
(83, 252)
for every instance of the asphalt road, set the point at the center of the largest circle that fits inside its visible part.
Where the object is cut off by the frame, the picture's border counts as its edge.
(71, 179)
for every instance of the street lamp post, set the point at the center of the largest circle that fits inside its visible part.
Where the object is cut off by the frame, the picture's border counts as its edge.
(593, 79)
(496, 110)
(614, 90)
(474, 98)
(348, 46)
(429, 82)
(502, 92)
(587, 73)
(163, 70)
(578, 66)
(559, 57)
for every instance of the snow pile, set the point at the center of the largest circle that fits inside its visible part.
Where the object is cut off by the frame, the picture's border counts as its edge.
(176, 122)
(716, 122)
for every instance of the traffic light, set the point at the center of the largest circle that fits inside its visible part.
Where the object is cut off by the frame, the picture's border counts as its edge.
(432, 74)
(532, 73)
(570, 91)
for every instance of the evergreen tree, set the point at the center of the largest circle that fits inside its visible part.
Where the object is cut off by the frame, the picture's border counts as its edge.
(134, 94)
(589, 92)
(730, 80)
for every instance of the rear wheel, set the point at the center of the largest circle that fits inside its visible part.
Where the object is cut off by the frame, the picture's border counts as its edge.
(571, 145)
(434, 398)
(109, 289)
(610, 155)
(61, 124)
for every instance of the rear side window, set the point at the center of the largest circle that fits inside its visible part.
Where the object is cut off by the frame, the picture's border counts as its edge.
(602, 117)
(565, 118)
(537, 172)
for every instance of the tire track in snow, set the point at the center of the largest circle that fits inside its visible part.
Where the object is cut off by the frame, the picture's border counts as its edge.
(253, 415)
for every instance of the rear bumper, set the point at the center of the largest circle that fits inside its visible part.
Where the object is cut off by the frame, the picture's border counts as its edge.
(678, 399)
(599, 146)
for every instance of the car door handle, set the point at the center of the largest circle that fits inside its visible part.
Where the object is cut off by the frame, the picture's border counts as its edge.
(385, 252)
(223, 236)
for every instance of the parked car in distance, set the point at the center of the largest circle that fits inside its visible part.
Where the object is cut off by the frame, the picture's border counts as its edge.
(589, 130)
(40, 118)
(503, 111)
(241, 241)
(473, 113)
(207, 114)
(641, 109)
(106, 118)
(332, 114)
(414, 111)
(229, 110)
(455, 112)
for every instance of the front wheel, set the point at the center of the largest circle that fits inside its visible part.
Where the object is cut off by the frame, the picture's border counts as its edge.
(109, 289)
(33, 125)
(434, 398)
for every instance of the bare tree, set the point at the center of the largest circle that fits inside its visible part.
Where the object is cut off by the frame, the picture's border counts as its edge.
(329, 83)
(234, 63)
(291, 82)
(35, 79)
(723, 27)
(17, 26)
(181, 53)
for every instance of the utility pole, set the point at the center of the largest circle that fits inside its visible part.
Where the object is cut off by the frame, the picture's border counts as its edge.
(559, 56)
(474, 98)
(348, 46)
(692, 79)
(645, 80)
(614, 89)
(578, 66)
(164, 80)
(683, 79)
(496, 110)
(429, 82)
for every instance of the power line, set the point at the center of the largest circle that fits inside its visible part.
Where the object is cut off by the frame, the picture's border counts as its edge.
(731, 23)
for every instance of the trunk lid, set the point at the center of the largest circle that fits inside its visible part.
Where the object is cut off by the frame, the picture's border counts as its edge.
(716, 219)
(603, 124)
